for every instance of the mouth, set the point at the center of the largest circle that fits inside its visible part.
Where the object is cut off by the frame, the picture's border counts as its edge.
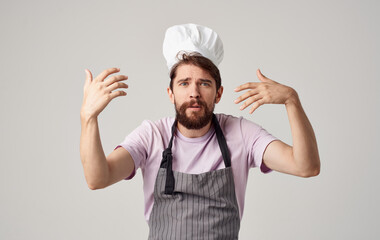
(195, 107)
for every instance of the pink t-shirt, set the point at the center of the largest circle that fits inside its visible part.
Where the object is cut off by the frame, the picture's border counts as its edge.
(246, 142)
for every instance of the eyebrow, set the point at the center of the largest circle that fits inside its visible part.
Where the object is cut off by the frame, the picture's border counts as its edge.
(206, 80)
(187, 79)
(183, 80)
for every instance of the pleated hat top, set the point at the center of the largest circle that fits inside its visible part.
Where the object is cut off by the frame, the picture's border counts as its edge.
(192, 38)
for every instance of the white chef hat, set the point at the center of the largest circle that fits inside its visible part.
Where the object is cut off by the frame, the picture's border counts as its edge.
(192, 38)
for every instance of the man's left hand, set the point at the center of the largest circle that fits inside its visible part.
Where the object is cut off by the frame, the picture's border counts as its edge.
(264, 92)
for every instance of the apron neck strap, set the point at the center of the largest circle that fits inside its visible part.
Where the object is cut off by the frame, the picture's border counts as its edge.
(167, 157)
(222, 142)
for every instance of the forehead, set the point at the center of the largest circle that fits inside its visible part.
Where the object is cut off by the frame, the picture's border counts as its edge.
(192, 72)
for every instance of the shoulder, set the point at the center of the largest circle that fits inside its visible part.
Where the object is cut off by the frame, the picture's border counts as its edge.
(163, 123)
(229, 121)
(157, 127)
(225, 118)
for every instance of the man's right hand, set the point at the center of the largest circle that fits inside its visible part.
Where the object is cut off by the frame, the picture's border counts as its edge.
(97, 93)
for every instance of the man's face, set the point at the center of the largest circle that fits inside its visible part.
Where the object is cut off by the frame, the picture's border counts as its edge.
(194, 96)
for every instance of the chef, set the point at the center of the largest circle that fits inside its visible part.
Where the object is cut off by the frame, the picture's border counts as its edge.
(195, 165)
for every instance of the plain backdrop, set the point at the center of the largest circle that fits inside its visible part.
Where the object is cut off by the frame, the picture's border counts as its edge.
(327, 50)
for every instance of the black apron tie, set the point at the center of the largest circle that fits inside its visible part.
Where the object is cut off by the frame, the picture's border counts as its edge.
(222, 142)
(167, 157)
(167, 161)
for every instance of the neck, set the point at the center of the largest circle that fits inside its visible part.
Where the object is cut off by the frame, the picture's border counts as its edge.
(193, 133)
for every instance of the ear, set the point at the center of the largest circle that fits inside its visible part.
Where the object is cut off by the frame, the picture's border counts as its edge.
(219, 94)
(171, 95)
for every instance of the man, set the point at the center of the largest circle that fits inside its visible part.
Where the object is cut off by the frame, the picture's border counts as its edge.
(195, 166)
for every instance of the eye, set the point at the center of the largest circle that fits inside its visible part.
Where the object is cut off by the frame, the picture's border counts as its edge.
(183, 83)
(206, 84)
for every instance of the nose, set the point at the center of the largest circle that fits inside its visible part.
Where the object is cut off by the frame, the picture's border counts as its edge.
(194, 91)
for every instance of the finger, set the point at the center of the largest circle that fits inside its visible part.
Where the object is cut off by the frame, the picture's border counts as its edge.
(88, 76)
(249, 85)
(116, 86)
(246, 95)
(257, 104)
(114, 79)
(249, 102)
(105, 74)
(259, 73)
(262, 77)
(117, 94)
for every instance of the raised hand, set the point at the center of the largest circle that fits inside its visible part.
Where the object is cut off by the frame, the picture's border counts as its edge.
(264, 92)
(98, 92)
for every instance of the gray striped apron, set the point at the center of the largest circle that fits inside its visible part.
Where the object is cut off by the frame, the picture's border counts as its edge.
(195, 206)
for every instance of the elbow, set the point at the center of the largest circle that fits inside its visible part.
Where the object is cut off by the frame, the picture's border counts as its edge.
(95, 182)
(95, 186)
(311, 169)
(311, 172)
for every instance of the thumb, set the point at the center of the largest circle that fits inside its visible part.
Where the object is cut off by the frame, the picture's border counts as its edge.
(262, 77)
(88, 76)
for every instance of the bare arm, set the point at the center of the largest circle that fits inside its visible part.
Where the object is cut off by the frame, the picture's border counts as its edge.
(301, 159)
(91, 153)
(100, 171)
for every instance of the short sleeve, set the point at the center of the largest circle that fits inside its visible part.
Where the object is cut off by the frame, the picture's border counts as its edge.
(137, 144)
(134, 169)
(256, 141)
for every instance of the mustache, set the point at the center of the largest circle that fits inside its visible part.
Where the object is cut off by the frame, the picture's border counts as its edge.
(193, 102)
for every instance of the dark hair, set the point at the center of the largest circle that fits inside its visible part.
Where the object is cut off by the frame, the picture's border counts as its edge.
(198, 60)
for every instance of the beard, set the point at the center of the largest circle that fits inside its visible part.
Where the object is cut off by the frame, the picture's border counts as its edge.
(196, 120)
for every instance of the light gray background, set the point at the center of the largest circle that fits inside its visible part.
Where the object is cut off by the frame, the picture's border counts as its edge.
(327, 50)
